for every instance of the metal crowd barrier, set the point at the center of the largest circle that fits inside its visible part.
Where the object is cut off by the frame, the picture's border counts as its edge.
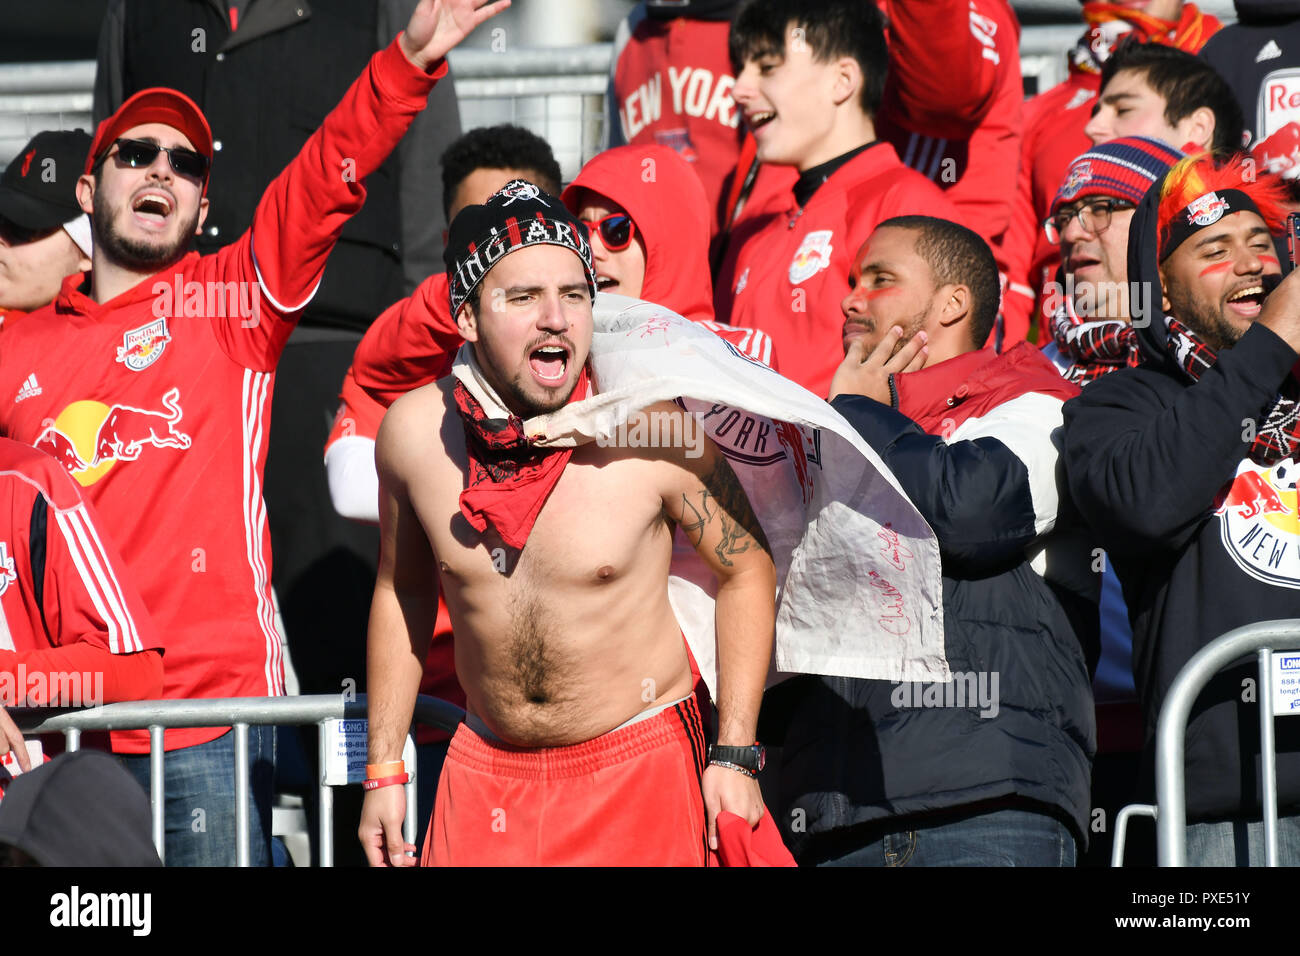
(239, 713)
(1170, 809)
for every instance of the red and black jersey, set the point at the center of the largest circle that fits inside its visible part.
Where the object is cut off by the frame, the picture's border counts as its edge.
(952, 106)
(61, 582)
(671, 85)
(158, 402)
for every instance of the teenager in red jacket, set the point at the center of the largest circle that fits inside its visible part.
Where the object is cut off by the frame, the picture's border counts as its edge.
(155, 379)
(1054, 124)
(810, 88)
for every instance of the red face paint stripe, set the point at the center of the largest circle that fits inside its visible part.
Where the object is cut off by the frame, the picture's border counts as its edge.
(1217, 267)
(1272, 259)
(876, 293)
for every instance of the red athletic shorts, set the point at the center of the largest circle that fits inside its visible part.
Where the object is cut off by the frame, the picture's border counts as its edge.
(630, 797)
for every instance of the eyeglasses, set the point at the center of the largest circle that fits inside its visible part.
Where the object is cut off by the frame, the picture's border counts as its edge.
(138, 152)
(616, 231)
(13, 234)
(1094, 218)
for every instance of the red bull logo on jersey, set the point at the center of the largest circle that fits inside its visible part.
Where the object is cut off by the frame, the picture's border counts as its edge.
(812, 256)
(1277, 114)
(1260, 521)
(7, 573)
(142, 347)
(88, 438)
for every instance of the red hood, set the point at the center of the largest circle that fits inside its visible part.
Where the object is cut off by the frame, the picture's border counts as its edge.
(940, 397)
(664, 197)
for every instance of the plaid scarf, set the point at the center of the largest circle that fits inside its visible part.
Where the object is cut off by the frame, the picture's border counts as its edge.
(1279, 433)
(1109, 23)
(510, 476)
(1095, 348)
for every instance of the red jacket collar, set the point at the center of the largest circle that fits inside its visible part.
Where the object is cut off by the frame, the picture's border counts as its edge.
(940, 397)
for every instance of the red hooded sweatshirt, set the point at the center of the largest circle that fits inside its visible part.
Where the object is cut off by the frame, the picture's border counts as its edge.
(671, 215)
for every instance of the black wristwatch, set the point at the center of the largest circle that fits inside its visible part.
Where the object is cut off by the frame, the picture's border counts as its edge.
(750, 760)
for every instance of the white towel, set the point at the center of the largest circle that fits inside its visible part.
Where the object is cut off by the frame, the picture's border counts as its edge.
(858, 573)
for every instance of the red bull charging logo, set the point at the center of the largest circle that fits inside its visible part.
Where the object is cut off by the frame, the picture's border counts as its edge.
(88, 438)
(1260, 521)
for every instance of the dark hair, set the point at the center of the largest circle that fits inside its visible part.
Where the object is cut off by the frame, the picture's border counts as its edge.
(1186, 83)
(498, 147)
(958, 256)
(831, 28)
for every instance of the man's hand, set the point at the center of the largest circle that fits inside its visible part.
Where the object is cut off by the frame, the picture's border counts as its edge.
(863, 374)
(732, 791)
(438, 25)
(380, 833)
(1281, 312)
(11, 738)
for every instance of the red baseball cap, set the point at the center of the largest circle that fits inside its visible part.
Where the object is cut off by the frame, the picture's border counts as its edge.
(155, 105)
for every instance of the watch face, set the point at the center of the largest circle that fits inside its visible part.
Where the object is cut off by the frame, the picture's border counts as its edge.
(762, 755)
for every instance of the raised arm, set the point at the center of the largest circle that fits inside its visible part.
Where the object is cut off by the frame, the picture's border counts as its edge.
(402, 616)
(300, 216)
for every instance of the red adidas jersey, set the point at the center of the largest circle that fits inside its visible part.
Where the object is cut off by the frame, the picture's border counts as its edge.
(786, 272)
(61, 583)
(952, 106)
(671, 86)
(158, 402)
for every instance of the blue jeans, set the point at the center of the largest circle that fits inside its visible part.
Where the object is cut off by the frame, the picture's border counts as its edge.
(199, 792)
(996, 838)
(1241, 843)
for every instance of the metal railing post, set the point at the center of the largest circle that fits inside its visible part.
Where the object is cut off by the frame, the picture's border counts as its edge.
(157, 792)
(409, 823)
(326, 801)
(243, 797)
(1268, 756)
(1171, 729)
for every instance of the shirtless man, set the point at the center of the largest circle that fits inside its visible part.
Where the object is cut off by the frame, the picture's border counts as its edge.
(583, 744)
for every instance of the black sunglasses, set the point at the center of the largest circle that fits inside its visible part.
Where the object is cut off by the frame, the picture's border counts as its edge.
(616, 231)
(138, 152)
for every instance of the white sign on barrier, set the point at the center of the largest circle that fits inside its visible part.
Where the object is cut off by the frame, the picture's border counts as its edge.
(345, 751)
(1286, 684)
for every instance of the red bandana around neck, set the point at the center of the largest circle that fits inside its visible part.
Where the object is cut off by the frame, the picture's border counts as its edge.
(510, 477)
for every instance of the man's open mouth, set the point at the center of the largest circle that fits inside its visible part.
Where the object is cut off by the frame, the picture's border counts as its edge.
(762, 118)
(152, 207)
(604, 282)
(550, 363)
(1247, 302)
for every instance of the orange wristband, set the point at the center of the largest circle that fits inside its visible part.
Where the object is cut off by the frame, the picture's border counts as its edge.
(386, 769)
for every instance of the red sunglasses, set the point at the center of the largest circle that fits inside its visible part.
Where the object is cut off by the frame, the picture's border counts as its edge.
(616, 231)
